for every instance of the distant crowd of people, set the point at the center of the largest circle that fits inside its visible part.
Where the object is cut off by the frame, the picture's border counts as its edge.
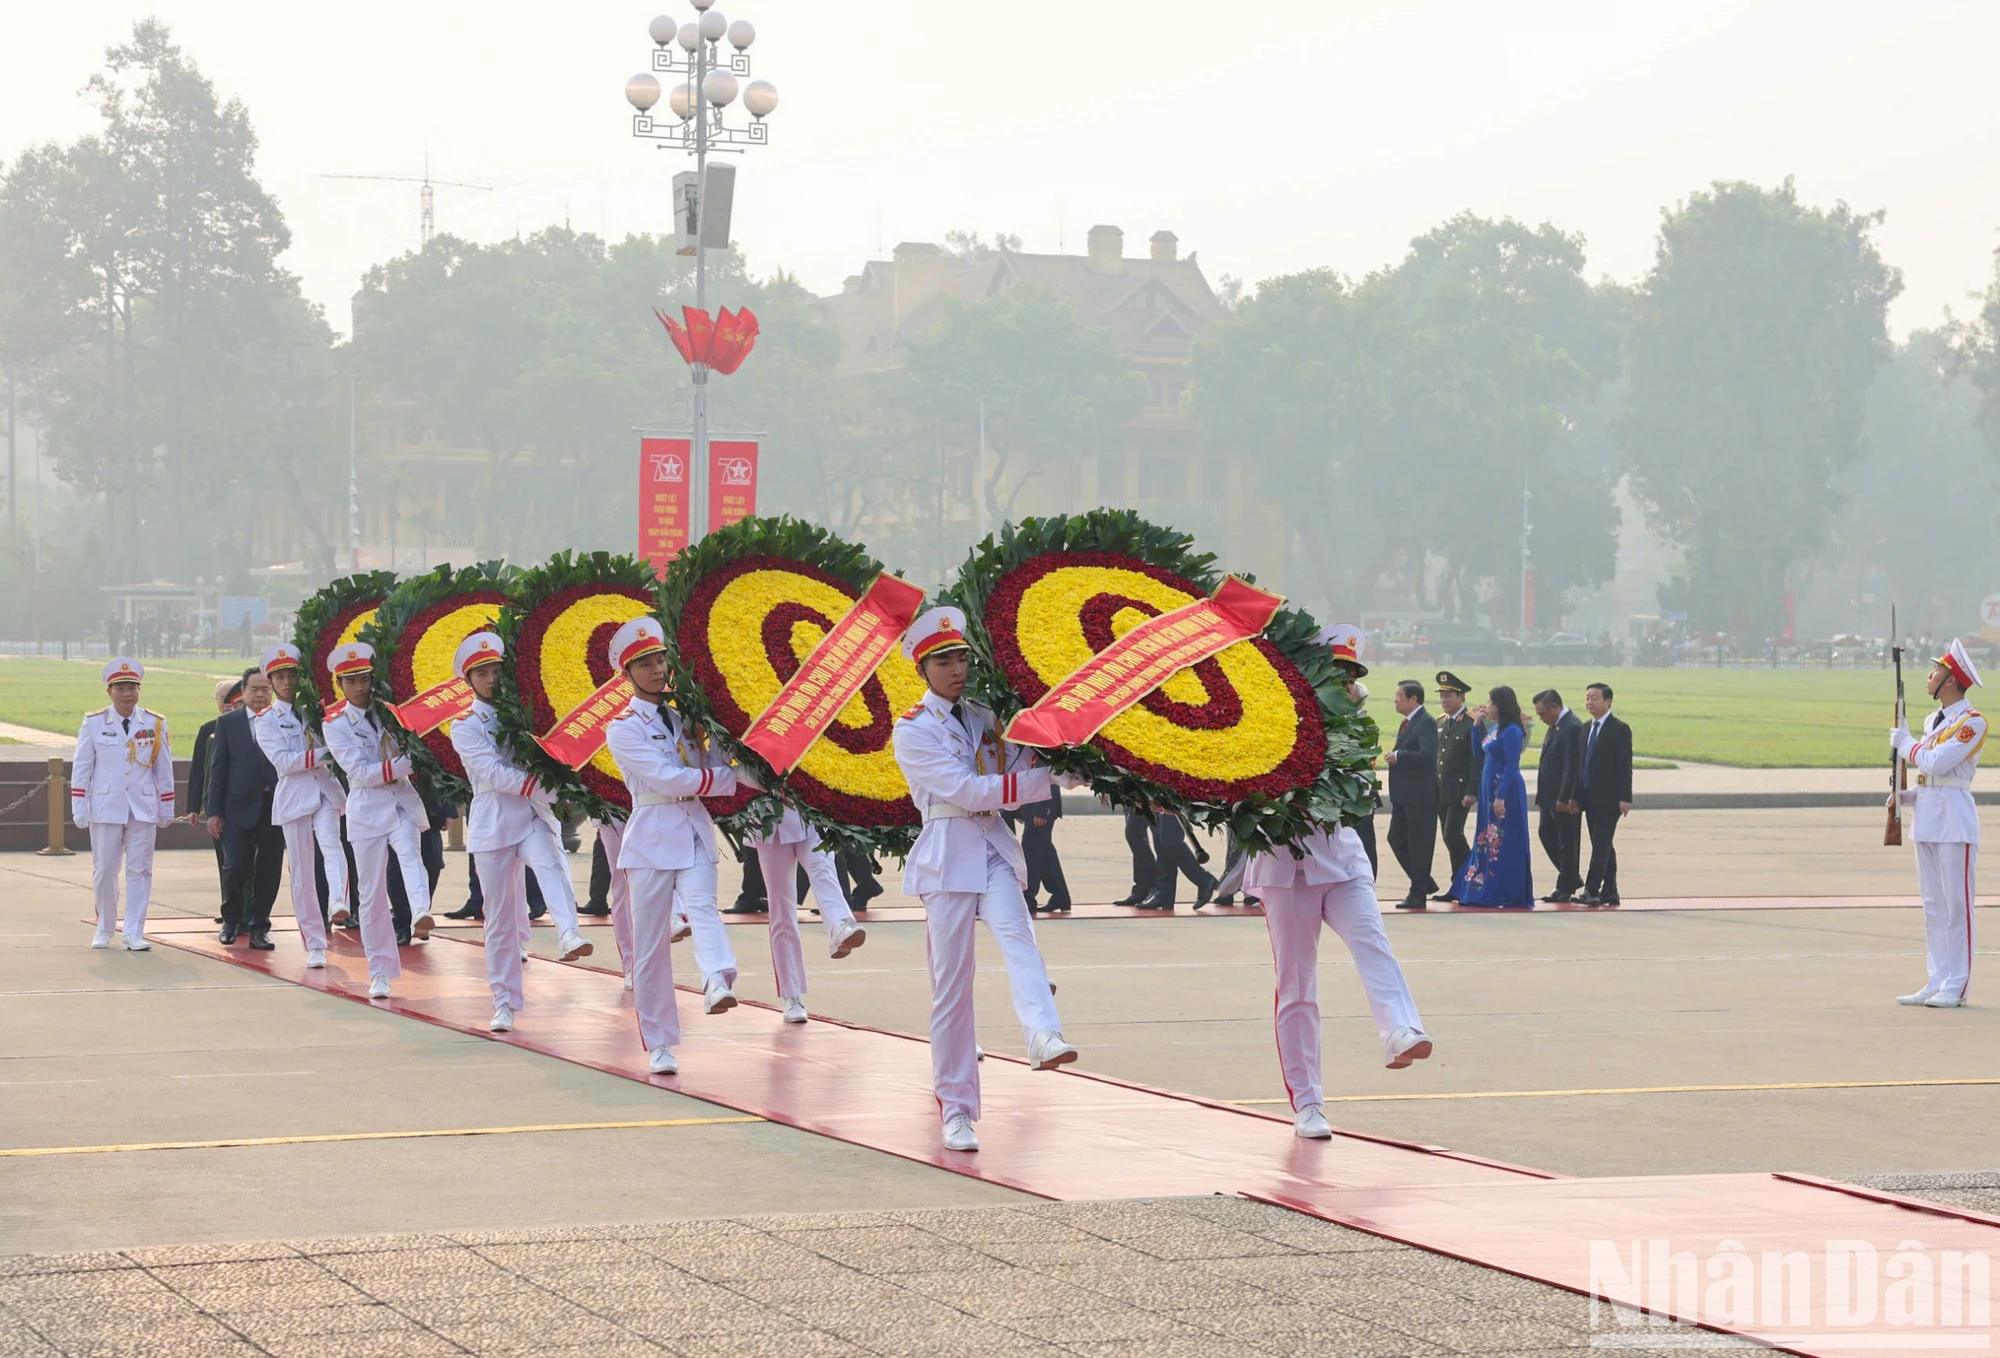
(165, 635)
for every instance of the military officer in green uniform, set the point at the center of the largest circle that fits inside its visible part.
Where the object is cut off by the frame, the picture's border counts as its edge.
(1460, 764)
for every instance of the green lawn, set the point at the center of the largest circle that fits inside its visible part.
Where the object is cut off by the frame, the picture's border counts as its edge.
(1746, 717)
(53, 695)
(1751, 718)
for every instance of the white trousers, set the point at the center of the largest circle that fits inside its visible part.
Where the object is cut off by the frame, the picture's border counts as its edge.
(1945, 874)
(128, 849)
(371, 867)
(948, 920)
(655, 892)
(300, 836)
(542, 853)
(1293, 915)
(781, 883)
(503, 882)
(326, 834)
(613, 834)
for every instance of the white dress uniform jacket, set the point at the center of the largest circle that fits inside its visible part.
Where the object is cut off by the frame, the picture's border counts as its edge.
(121, 776)
(667, 774)
(1329, 857)
(305, 781)
(961, 776)
(378, 773)
(508, 802)
(1944, 760)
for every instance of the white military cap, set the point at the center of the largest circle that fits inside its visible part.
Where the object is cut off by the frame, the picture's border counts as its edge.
(481, 648)
(283, 656)
(1959, 662)
(123, 669)
(637, 638)
(941, 629)
(1344, 640)
(356, 657)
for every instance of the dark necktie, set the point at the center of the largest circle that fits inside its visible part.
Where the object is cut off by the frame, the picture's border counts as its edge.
(1590, 748)
(128, 725)
(667, 718)
(958, 710)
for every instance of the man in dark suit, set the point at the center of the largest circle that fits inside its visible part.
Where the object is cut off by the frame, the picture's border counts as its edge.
(1461, 764)
(1555, 791)
(1037, 822)
(238, 802)
(1413, 793)
(1604, 788)
(228, 693)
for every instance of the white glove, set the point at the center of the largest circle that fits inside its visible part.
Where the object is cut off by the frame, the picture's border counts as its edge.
(1070, 782)
(400, 767)
(747, 779)
(1908, 796)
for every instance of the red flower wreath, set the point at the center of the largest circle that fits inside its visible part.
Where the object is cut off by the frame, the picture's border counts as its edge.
(402, 673)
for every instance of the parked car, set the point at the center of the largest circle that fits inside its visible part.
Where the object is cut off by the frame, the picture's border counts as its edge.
(1463, 643)
(1569, 648)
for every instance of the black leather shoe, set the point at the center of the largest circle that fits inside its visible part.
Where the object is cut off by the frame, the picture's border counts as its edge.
(402, 938)
(1204, 893)
(219, 919)
(1056, 908)
(537, 914)
(598, 911)
(1412, 903)
(261, 940)
(228, 934)
(1159, 900)
(1589, 898)
(747, 907)
(1445, 898)
(465, 912)
(863, 895)
(1132, 897)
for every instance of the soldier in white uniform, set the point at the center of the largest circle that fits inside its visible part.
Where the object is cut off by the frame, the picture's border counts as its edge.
(967, 866)
(511, 829)
(668, 846)
(1946, 833)
(619, 898)
(122, 791)
(307, 803)
(791, 844)
(385, 814)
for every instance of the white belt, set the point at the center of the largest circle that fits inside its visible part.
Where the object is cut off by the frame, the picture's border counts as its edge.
(950, 811)
(658, 799)
(1944, 780)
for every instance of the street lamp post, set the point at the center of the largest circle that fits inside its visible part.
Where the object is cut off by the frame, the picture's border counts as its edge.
(706, 84)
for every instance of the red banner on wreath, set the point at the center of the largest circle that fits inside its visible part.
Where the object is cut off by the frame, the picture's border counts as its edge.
(845, 660)
(732, 481)
(576, 738)
(434, 707)
(1140, 661)
(664, 501)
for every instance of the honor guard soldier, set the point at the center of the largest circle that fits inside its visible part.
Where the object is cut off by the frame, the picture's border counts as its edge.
(122, 791)
(385, 813)
(307, 803)
(510, 830)
(1324, 880)
(668, 846)
(790, 846)
(1461, 762)
(1946, 833)
(967, 866)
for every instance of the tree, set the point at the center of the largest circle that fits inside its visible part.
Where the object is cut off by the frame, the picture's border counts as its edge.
(1053, 388)
(1753, 342)
(1977, 351)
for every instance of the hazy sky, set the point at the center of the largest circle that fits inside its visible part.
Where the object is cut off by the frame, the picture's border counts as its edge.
(1270, 137)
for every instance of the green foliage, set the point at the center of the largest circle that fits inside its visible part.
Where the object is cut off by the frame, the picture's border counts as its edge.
(1343, 794)
(529, 589)
(385, 633)
(795, 540)
(1753, 344)
(312, 618)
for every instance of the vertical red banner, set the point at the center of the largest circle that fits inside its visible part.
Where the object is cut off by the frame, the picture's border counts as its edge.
(664, 465)
(732, 481)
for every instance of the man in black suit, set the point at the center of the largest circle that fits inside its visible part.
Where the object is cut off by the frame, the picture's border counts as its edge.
(228, 693)
(1413, 793)
(1555, 790)
(1461, 765)
(238, 802)
(1604, 788)
(1037, 822)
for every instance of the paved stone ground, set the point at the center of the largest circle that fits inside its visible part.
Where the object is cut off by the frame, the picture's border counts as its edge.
(1196, 1276)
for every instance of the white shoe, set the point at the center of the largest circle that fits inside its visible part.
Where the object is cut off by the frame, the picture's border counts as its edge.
(795, 1010)
(502, 1020)
(339, 918)
(315, 958)
(628, 980)
(978, 1052)
(574, 945)
(846, 939)
(1404, 1045)
(526, 952)
(100, 939)
(137, 945)
(661, 1061)
(1048, 1051)
(421, 926)
(958, 1134)
(378, 987)
(681, 929)
(1310, 1123)
(718, 997)
(1943, 1001)
(1917, 996)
